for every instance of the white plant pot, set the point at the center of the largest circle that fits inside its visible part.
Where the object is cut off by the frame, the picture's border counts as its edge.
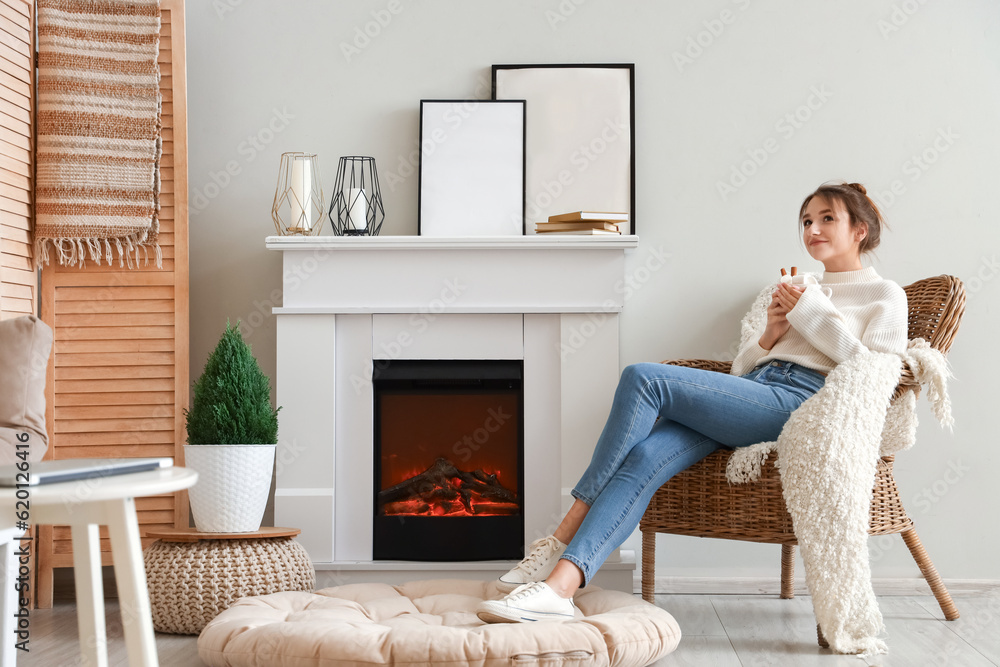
(233, 485)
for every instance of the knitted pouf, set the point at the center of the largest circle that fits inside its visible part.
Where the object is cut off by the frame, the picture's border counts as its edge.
(190, 583)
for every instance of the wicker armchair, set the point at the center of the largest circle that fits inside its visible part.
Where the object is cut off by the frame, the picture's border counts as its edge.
(701, 502)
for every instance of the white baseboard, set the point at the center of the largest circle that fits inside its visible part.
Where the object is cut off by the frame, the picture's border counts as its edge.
(772, 586)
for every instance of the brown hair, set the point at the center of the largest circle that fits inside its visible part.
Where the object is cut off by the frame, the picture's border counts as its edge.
(862, 210)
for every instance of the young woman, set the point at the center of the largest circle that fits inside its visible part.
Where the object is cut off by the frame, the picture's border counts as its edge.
(810, 329)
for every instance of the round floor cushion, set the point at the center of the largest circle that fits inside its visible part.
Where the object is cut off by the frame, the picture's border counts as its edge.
(429, 623)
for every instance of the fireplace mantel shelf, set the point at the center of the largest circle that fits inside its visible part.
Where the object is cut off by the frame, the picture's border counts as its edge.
(531, 242)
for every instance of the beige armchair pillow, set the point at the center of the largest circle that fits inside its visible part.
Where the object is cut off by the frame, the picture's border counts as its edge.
(25, 346)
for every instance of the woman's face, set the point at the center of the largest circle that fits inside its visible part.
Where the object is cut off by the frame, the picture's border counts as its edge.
(829, 237)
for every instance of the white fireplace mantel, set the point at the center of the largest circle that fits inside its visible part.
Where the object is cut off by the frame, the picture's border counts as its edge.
(349, 302)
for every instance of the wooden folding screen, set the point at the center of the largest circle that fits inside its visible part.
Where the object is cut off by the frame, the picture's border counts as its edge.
(118, 382)
(18, 278)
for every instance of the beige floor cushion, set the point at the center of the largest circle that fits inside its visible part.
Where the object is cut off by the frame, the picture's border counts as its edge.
(430, 623)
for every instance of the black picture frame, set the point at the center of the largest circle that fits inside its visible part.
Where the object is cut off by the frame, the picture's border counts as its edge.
(537, 105)
(474, 171)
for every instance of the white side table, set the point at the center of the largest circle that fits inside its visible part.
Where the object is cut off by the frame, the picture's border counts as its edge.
(85, 506)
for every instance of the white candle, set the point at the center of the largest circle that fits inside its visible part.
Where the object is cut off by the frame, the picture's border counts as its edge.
(358, 212)
(301, 193)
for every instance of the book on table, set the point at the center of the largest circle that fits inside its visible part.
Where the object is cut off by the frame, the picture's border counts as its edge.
(580, 216)
(68, 470)
(569, 226)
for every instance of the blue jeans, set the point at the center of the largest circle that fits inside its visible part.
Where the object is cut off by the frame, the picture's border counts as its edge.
(699, 412)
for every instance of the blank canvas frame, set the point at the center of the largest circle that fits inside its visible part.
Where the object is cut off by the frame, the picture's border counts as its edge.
(471, 168)
(580, 136)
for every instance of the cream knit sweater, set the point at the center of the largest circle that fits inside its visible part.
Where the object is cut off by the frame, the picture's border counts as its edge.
(847, 313)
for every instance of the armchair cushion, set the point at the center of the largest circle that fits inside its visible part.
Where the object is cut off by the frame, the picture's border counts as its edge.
(25, 345)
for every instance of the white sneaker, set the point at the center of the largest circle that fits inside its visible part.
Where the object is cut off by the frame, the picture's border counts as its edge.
(542, 557)
(531, 602)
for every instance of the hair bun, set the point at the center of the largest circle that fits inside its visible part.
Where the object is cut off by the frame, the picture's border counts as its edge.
(857, 186)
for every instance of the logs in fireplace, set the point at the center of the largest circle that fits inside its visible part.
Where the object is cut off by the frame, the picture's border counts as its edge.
(444, 490)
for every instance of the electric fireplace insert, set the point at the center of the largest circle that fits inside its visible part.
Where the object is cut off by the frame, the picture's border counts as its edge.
(449, 445)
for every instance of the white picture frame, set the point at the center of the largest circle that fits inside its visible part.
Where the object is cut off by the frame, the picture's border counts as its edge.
(472, 155)
(580, 137)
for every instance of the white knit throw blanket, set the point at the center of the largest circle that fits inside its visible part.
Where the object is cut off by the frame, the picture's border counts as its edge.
(827, 456)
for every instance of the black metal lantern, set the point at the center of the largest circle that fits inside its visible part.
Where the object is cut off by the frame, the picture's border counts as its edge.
(356, 203)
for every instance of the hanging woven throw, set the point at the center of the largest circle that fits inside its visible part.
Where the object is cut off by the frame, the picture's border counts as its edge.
(98, 145)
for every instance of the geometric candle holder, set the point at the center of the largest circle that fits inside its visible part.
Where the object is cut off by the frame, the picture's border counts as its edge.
(298, 199)
(356, 204)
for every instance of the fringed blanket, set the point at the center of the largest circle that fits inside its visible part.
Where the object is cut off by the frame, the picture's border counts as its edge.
(827, 456)
(98, 146)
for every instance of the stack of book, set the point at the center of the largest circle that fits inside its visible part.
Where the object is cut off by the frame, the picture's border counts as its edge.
(583, 222)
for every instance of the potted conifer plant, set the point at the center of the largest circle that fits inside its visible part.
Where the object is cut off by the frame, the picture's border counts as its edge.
(232, 432)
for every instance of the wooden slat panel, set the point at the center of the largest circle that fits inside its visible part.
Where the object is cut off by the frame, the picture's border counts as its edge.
(12, 55)
(15, 208)
(92, 373)
(114, 451)
(19, 306)
(109, 425)
(12, 233)
(126, 359)
(17, 14)
(155, 345)
(63, 550)
(123, 306)
(91, 386)
(95, 269)
(119, 376)
(98, 398)
(106, 442)
(16, 291)
(15, 276)
(12, 247)
(113, 293)
(113, 319)
(91, 278)
(113, 333)
(116, 411)
(16, 28)
(18, 279)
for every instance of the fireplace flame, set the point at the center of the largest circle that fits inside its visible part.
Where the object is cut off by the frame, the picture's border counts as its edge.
(444, 490)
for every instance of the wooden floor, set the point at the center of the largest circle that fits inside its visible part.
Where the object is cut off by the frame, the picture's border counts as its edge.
(718, 631)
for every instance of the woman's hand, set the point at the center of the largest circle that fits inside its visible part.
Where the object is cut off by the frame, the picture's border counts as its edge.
(783, 300)
(788, 295)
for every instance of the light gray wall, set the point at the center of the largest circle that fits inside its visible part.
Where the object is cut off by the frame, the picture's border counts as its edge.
(900, 79)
